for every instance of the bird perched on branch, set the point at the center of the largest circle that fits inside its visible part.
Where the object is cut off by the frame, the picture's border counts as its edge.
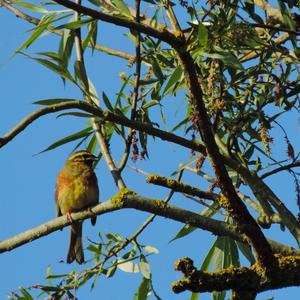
(76, 189)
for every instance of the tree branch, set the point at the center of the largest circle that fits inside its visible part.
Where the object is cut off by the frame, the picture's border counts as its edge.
(229, 200)
(163, 35)
(127, 199)
(54, 30)
(294, 164)
(105, 115)
(181, 187)
(245, 279)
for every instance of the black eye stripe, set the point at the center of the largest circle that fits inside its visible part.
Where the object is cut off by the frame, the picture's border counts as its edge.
(82, 156)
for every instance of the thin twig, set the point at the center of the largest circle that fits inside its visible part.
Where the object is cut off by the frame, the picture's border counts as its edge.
(96, 126)
(138, 62)
(54, 30)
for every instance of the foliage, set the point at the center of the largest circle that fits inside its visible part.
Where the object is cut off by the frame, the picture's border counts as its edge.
(246, 59)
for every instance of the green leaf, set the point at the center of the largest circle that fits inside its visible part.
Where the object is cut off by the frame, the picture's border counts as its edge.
(122, 7)
(75, 24)
(143, 290)
(111, 271)
(227, 58)
(61, 70)
(247, 252)
(75, 114)
(92, 144)
(39, 29)
(234, 254)
(157, 70)
(68, 139)
(107, 102)
(26, 295)
(54, 101)
(219, 295)
(91, 38)
(194, 296)
(174, 79)
(31, 7)
(80, 73)
(187, 229)
(66, 46)
(150, 104)
(202, 36)
(144, 268)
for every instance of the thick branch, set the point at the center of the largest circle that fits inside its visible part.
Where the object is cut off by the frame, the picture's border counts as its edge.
(128, 199)
(257, 185)
(163, 35)
(239, 279)
(231, 201)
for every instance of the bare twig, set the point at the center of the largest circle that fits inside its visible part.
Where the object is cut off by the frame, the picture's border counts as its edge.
(294, 164)
(96, 126)
(138, 62)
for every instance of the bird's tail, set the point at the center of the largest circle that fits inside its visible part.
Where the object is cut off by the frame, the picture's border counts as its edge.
(75, 246)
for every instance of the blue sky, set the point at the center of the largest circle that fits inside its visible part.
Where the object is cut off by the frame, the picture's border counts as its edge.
(28, 180)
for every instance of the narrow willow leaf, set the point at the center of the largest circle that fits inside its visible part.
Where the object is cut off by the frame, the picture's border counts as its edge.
(234, 253)
(39, 29)
(60, 70)
(227, 58)
(80, 73)
(75, 114)
(143, 290)
(31, 7)
(157, 70)
(145, 268)
(202, 36)
(26, 295)
(120, 93)
(181, 123)
(92, 144)
(123, 8)
(174, 79)
(75, 24)
(107, 102)
(111, 271)
(219, 295)
(66, 46)
(187, 229)
(54, 101)
(247, 252)
(68, 139)
(56, 57)
(91, 38)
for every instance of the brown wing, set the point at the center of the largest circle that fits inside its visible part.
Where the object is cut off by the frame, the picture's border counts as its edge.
(60, 184)
(94, 182)
(58, 212)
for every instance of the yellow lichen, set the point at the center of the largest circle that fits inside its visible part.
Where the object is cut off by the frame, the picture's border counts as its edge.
(159, 203)
(119, 198)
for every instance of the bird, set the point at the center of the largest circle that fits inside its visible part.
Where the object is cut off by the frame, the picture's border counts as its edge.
(76, 189)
